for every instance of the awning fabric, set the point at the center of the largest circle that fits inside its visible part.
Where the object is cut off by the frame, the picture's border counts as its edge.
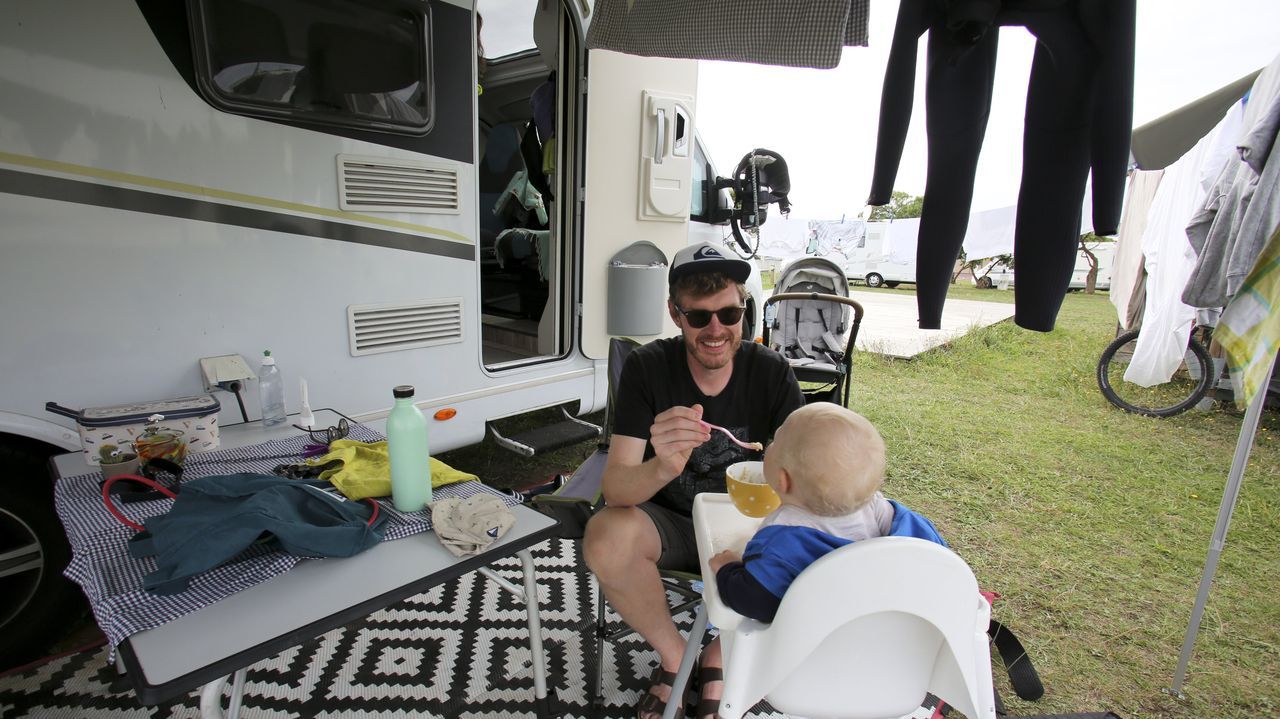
(798, 33)
(1160, 143)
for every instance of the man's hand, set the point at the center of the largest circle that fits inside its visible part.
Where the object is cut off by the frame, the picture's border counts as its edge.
(728, 556)
(674, 435)
(629, 479)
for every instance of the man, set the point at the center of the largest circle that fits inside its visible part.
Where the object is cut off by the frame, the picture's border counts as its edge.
(663, 451)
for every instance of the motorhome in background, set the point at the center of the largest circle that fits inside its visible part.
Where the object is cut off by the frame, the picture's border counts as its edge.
(1105, 252)
(1002, 276)
(876, 253)
(335, 181)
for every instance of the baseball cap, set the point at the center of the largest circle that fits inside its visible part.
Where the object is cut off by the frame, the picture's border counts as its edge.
(706, 257)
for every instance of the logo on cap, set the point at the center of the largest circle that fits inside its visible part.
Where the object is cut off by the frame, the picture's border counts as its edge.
(704, 253)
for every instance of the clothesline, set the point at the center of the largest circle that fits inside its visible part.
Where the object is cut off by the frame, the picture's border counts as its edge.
(1208, 241)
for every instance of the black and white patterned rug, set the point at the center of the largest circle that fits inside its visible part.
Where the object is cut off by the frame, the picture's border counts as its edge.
(459, 650)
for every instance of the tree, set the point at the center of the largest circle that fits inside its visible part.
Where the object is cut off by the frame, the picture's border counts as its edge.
(962, 264)
(1088, 243)
(980, 268)
(901, 205)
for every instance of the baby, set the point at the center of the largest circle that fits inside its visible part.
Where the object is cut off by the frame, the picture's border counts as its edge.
(827, 464)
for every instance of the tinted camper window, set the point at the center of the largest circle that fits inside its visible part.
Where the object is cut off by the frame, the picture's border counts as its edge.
(703, 198)
(350, 63)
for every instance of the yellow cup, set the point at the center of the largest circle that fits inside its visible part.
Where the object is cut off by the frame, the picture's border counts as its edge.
(748, 491)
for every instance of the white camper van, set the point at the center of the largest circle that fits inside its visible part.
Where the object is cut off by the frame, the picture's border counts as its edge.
(1000, 275)
(871, 257)
(343, 183)
(1105, 252)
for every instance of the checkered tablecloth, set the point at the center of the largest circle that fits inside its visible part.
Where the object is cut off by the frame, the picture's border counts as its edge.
(801, 33)
(112, 580)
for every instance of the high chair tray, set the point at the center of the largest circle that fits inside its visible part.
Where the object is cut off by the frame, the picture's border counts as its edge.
(717, 526)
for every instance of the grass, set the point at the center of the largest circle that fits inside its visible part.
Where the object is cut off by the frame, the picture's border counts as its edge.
(1092, 523)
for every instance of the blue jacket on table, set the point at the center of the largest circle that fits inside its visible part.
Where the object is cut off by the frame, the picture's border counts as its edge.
(777, 554)
(214, 519)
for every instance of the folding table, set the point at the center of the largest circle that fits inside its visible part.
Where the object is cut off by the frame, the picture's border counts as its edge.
(315, 596)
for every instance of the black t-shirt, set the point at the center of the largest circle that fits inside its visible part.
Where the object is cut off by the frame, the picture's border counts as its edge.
(759, 396)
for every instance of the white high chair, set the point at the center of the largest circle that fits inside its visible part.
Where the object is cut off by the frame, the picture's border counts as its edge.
(864, 632)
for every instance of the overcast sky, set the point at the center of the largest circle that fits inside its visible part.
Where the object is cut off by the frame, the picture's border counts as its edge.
(824, 121)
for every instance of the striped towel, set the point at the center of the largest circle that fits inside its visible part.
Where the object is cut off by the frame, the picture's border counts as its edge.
(1249, 329)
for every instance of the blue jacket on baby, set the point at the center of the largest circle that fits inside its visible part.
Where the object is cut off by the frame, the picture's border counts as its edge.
(777, 554)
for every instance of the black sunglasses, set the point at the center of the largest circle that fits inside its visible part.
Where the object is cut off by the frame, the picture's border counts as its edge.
(698, 319)
(330, 435)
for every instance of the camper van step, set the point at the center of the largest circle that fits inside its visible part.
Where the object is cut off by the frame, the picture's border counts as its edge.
(532, 442)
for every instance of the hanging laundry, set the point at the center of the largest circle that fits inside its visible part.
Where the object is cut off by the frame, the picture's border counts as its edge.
(1249, 329)
(1079, 117)
(1168, 256)
(990, 233)
(1128, 276)
(1233, 224)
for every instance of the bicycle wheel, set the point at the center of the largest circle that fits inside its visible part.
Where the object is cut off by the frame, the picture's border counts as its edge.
(1189, 384)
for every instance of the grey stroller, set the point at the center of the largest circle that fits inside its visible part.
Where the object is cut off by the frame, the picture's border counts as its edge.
(811, 320)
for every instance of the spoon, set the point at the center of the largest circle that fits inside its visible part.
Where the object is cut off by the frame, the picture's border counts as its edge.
(745, 445)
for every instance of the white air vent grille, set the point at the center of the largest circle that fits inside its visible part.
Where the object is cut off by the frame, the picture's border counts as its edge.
(372, 184)
(390, 328)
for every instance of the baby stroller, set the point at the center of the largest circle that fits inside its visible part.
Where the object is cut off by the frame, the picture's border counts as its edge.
(807, 320)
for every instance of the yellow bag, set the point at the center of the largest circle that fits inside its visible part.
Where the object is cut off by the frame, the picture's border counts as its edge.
(366, 469)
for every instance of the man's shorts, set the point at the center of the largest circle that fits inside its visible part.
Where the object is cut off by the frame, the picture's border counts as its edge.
(675, 530)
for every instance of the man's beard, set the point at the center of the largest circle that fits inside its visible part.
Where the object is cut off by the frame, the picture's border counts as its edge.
(695, 351)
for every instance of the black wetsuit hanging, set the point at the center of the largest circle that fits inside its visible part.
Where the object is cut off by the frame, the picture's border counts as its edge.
(1078, 117)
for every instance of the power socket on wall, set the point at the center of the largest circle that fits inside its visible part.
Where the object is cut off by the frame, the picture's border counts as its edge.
(224, 368)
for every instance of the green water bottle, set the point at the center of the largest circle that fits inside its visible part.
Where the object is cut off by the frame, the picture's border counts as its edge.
(410, 460)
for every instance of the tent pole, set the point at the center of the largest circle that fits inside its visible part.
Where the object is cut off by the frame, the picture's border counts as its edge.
(1229, 495)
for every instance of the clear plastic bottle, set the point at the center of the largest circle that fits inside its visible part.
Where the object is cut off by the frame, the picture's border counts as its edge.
(271, 391)
(410, 459)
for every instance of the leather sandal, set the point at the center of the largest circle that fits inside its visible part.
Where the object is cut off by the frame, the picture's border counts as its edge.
(650, 704)
(708, 707)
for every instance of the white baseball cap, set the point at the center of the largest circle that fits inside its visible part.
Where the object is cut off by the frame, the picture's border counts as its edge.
(706, 257)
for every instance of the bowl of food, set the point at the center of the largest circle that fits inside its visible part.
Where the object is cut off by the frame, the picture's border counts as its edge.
(748, 491)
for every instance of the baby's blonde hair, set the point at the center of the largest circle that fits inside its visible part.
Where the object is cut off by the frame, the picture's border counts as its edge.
(834, 456)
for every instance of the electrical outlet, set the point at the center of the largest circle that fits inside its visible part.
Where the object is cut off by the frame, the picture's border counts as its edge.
(224, 368)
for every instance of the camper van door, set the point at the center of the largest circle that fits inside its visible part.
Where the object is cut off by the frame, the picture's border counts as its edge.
(639, 176)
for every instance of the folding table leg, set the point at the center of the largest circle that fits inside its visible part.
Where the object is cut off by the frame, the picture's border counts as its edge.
(535, 635)
(237, 694)
(211, 697)
(529, 593)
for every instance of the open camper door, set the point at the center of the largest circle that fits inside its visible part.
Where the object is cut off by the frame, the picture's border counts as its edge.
(639, 179)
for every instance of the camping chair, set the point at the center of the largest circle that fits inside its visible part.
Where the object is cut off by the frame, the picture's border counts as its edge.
(582, 496)
(866, 632)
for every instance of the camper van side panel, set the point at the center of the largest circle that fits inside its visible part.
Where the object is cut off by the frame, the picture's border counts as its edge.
(145, 228)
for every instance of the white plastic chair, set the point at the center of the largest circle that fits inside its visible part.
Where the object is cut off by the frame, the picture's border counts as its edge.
(863, 633)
